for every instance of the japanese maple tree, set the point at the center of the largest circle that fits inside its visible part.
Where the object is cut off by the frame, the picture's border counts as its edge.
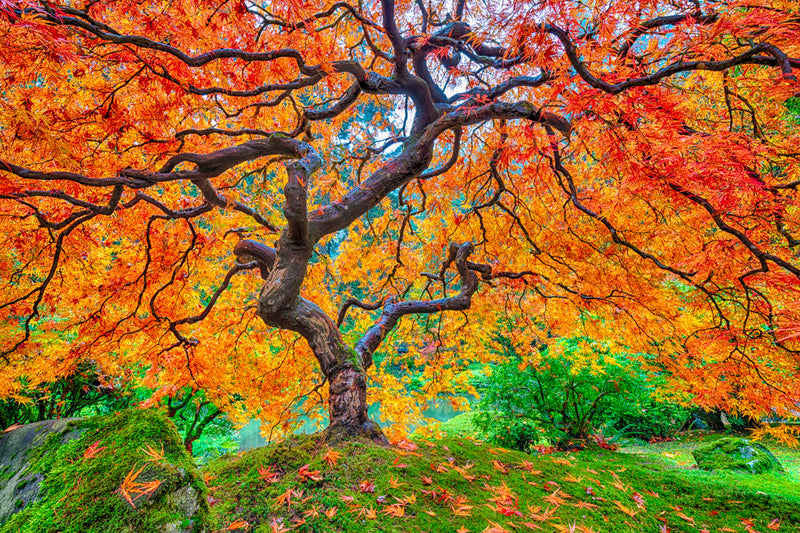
(189, 185)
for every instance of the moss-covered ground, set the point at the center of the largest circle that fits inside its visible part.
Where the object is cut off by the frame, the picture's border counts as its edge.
(85, 479)
(457, 485)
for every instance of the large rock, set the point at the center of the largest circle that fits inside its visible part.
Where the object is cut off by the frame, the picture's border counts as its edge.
(732, 453)
(18, 485)
(123, 473)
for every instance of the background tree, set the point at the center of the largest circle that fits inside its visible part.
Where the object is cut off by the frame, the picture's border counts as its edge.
(73, 395)
(624, 169)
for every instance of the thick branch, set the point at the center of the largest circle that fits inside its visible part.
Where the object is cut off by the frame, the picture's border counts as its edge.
(248, 250)
(357, 303)
(416, 158)
(393, 310)
(660, 22)
(751, 57)
(207, 165)
(296, 207)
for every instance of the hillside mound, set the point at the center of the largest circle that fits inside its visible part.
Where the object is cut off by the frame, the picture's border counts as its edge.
(460, 485)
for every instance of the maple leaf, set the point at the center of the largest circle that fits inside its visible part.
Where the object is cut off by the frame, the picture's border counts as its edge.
(636, 497)
(529, 466)
(621, 486)
(494, 527)
(398, 464)
(542, 516)
(462, 510)
(407, 445)
(395, 510)
(584, 505)
(366, 486)
(551, 485)
(627, 510)
(395, 482)
(556, 499)
(368, 512)
(308, 475)
(498, 465)
(408, 498)
(93, 451)
(267, 475)
(331, 457)
(287, 497)
(153, 454)
(131, 489)
(233, 526)
(440, 468)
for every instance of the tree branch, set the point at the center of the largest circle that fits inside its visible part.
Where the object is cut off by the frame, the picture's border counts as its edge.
(394, 310)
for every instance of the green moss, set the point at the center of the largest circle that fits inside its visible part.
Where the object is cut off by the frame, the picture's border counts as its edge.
(460, 425)
(733, 453)
(352, 356)
(438, 476)
(82, 493)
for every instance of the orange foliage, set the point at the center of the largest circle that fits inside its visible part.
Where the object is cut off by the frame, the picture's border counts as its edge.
(626, 171)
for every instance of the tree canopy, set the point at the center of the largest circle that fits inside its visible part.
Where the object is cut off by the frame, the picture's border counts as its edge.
(279, 202)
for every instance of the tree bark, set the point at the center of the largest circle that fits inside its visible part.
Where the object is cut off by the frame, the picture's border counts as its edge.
(340, 364)
(280, 305)
(347, 407)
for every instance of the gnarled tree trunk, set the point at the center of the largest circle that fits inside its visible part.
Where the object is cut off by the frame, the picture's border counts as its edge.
(284, 269)
(280, 305)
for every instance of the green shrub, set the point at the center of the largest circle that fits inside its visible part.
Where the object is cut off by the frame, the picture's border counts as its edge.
(644, 417)
(573, 391)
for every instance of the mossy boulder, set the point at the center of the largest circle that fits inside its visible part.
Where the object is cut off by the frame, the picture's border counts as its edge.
(125, 473)
(732, 453)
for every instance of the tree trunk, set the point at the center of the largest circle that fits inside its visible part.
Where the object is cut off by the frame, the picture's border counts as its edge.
(281, 306)
(347, 406)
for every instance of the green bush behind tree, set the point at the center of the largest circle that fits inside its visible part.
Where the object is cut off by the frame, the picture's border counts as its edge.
(571, 393)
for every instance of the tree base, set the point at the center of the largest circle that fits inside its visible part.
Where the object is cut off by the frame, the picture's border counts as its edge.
(367, 430)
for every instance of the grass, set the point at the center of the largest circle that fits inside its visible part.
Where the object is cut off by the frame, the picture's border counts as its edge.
(453, 484)
(458, 484)
(676, 456)
(678, 452)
